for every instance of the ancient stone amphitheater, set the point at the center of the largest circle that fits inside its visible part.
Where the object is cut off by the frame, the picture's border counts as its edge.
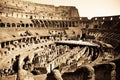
(45, 42)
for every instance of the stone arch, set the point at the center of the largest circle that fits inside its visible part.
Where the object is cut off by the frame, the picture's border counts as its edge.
(8, 24)
(22, 24)
(31, 17)
(13, 25)
(105, 71)
(27, 25)
(2, 25)
(31, 25)
(18, 24)
(85, 72)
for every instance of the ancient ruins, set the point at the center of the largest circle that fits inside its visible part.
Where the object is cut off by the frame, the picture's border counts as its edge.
(45, 42)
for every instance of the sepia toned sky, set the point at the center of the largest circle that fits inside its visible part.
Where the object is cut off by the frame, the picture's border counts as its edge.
(88, 8)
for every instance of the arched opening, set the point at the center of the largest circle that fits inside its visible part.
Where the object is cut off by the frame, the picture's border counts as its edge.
(2, 24)
(31, 25)
(2, 45)
(31, 17)
(70, 24)
(8, 24)
(13, 25)
(22, 25)
(27, 25)
(73, 23)
(18, 25)
(63, 24)
(66, 24)
(95, 26)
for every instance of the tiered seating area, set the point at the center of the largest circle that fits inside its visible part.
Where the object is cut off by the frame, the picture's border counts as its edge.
(106, 29)
(38, 38)
(25, 9)
(112, 38)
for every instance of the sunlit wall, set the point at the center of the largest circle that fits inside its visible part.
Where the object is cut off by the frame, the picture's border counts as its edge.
(88, 8)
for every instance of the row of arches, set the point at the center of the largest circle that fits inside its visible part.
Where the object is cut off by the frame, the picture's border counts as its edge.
(54, 23)
(16, 25)
(41, 23)
(26, 40)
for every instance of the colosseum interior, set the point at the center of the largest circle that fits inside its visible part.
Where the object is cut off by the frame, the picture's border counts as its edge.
(45, 42)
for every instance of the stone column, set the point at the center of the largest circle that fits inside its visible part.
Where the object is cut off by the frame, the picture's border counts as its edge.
(0, 45)
(54, 75)
(113, 72)
(91, 74)
(86, 73)
(5, 44)
(57, 74)
(23, 74)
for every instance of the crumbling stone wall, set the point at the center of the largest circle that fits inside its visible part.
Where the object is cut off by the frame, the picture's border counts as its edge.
(105, 71)
(82, 73)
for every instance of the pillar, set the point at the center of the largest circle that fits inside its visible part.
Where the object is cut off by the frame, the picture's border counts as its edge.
(5, 44)
(113, 72)
(57, 74)
(87, 71)
(0, 45)
(21, 73)
(91, 75)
